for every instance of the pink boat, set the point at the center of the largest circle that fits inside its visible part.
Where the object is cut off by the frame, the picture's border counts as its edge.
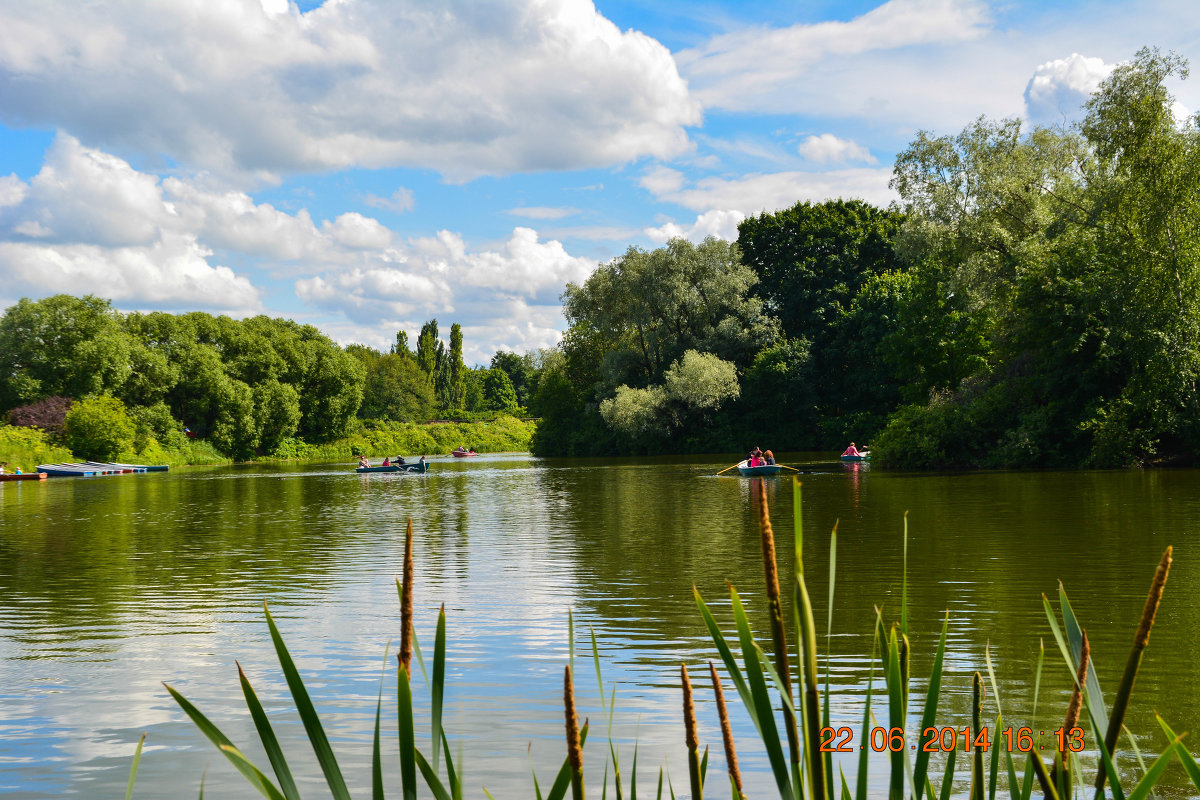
(460, 453)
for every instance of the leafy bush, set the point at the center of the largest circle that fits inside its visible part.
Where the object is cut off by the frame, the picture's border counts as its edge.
(25, 448)
(99, 428)
(49, 414)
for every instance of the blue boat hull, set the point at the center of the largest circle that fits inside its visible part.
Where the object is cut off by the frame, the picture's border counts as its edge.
(418, 468)
(856, 458)
(750, 472)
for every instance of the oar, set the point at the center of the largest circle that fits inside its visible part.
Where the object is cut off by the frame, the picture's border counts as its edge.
(735, 466)
(785, 466)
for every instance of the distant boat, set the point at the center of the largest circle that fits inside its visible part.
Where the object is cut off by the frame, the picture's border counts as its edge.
(766, 469)
(460, 453)
(861, 457)
(417, 467)
(24, 476)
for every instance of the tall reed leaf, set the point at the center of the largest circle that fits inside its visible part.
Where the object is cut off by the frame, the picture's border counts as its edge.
(214, 735)
(760, 699)
(735, 674)
(439, 684)
(929, 714)
(406, 733)
(133, 768)
(308, 715)
(266, 735)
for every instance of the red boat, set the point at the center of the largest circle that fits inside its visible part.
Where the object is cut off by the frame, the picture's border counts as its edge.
(24, 476)
(460, 453)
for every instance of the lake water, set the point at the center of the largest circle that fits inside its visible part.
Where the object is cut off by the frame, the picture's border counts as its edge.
(111, 586)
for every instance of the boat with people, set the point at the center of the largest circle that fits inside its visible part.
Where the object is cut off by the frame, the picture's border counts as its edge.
(462, 452)
(393, 465)
(852, 453)
(748, 471)
(859, 457)
(22, 476)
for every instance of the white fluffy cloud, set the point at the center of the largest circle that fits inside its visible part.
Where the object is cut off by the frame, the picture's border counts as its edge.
(897, 61)
(720, 223)
(89, 222)
(506, 298)
(543, 212)
(462, 87)
(401, 200)
(829, 149)
(1059, 88)
(724, 202)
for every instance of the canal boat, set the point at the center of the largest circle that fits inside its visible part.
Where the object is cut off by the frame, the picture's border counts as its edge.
(418, 467)
(748, 471)
(24, 476)
(860, 457)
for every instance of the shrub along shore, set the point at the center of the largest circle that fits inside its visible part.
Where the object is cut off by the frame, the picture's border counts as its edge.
(25, 448)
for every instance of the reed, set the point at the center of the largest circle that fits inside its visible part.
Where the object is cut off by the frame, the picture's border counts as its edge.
(735, 777)
(690, 737)
(764, 686)
(574, 746)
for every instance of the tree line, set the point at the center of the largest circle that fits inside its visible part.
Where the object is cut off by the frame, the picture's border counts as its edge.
(1031, 300)
(106, 383)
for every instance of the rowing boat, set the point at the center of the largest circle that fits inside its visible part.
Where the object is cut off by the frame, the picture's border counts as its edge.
(24, 476)
(463, 453)
(766, 469)
(418, 467)
(866, 457)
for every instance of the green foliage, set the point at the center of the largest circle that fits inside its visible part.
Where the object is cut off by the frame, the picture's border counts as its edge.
(395, 387)
(276, 413)
(702, 381)
(521, 371)
(636, 412)
(457, 368)
(24, 448)
(98, 428)
(62, 345)
(498, 391)
(1078, 254)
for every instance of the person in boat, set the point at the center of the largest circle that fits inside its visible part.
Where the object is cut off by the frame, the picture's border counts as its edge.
(854, 451)
(769, 457)
(387, 462)
(423, 467)
(756, 458)
(362, 461)
(398, 461)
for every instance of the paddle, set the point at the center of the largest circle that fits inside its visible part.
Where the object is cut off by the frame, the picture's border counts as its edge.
(785, 466)
(735, 466)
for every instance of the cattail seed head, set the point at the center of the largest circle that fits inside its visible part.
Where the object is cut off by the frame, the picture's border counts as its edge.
(726, 730)
(1142, 638)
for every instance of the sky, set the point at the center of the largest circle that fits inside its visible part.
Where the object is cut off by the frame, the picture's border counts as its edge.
(367, 165)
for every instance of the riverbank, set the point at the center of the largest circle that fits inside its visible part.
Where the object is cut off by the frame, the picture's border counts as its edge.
(25, 448)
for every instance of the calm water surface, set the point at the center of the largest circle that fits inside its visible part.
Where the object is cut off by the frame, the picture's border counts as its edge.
(110, 586)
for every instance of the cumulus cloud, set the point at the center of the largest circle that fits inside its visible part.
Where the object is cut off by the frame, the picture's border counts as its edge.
(1059, 88)
(507, 297)
(720, 223)
(89, 222)
(460, 87)
(897, 61)
(829, 149)
(751, 194)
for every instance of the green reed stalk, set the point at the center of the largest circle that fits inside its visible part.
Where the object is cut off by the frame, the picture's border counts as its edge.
(775, 607)
(1140, 640)
(978, 693)
(574, 748)
(812, 700)
(735, 777)
(693, 742)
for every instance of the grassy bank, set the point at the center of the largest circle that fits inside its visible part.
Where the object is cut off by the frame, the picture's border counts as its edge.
(378, 438)
(25, 448)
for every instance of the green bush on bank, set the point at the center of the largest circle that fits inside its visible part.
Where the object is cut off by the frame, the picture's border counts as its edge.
(386, 438)
(25, 448)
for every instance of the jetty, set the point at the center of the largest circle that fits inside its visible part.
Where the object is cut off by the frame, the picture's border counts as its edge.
(98, 468)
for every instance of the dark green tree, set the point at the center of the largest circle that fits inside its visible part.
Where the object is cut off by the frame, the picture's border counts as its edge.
(99, 428)
(498, 392)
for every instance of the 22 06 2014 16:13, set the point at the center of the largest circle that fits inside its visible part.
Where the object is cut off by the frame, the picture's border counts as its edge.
(945, 739)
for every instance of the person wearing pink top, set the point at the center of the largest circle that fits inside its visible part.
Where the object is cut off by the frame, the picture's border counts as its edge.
(852, 451)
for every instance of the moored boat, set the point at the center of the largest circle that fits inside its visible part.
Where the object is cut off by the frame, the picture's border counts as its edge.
(24, 476)
(418, 467)
(766, 469)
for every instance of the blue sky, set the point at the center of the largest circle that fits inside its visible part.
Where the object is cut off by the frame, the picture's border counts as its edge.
(366, 166)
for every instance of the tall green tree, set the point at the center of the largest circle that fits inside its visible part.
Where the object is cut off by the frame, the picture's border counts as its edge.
(458, 380)
(427, 346)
